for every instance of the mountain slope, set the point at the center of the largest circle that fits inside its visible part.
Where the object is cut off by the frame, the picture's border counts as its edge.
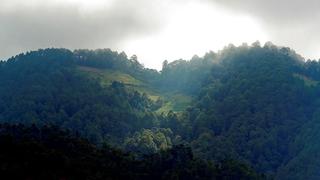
(45, 87)
(256, 105)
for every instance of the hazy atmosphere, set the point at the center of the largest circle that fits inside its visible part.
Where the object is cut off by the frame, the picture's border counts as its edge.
(156, 30)
(160, 89)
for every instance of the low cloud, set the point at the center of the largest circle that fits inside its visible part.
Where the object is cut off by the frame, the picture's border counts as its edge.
(33, 24)
(291, 23)
(39, 24)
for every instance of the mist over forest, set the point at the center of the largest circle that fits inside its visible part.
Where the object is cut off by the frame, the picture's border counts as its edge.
(244, 112)
(159, 89)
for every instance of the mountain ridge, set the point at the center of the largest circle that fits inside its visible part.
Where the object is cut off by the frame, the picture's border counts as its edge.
(255, 104)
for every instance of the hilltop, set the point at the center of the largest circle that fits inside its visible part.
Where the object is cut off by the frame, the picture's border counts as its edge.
(257, 105)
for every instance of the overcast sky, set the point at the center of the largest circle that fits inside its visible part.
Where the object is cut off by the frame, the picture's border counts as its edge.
(156, 30)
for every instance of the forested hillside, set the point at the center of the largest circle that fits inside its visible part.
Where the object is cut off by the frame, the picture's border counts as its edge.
(248, 106)
(254, 107)
(44, 87)
(49, 153)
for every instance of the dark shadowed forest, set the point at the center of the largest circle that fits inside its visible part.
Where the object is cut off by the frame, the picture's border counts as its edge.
(247, 112)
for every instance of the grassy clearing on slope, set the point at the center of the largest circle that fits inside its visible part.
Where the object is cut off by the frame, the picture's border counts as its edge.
(307, 81)
(173, 101)
(108, 76)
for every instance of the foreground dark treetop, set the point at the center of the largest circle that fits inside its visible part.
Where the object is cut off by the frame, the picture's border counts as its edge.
(49, 153)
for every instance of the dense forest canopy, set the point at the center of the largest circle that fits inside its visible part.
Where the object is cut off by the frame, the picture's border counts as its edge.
(49, 153)
(248, 106)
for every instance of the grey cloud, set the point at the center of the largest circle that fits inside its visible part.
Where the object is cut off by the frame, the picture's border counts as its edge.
(276, 11)
(53, 25)
(33, 24)
(293, 23)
